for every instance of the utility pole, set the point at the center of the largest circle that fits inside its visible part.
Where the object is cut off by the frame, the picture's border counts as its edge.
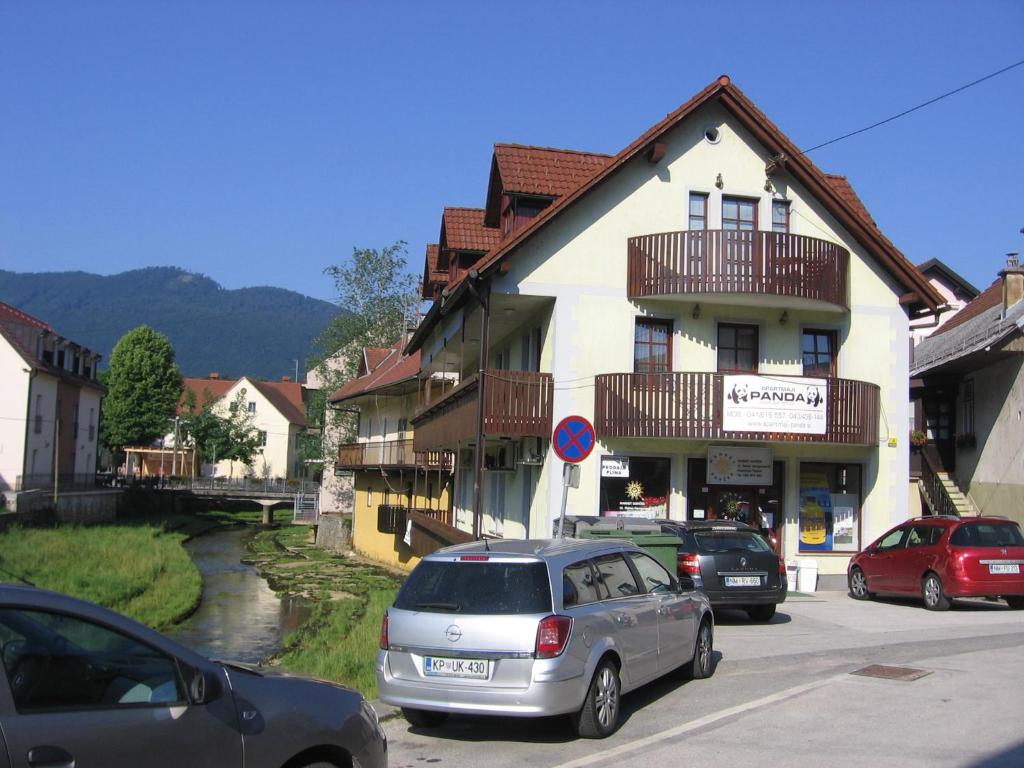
(174, 455)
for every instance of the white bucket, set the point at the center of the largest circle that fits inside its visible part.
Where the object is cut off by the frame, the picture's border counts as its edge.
(791, 571)
(807, 575)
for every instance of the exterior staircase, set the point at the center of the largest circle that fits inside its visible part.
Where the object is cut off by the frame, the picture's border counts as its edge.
(940, 491)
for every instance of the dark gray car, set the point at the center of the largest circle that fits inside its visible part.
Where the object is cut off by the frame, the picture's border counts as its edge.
(86, 686)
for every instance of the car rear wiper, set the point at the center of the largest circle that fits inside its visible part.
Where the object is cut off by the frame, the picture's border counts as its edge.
(440, 606)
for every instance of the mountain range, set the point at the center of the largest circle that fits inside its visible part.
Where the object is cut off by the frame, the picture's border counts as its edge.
(257, 332)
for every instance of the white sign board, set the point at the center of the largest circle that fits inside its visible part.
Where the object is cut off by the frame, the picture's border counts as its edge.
(614, 466)
(767, 404)
(735, 465)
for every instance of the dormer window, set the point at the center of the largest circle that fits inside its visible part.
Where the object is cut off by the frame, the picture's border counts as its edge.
(519, 211)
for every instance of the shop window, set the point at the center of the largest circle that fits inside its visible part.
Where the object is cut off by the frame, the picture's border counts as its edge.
(737, 348)
(635, 486)
(652, 346)
(756, 505)
(830, 498)
(819, 353)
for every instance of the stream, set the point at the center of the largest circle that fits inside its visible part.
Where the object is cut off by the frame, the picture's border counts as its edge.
(240, 617)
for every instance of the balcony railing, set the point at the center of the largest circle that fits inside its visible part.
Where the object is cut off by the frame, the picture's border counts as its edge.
(392, 518)
(390, 453)
(516, 404)
(737, 262)
(689, 406)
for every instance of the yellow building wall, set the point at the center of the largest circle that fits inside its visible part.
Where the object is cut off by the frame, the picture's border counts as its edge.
(373, 489)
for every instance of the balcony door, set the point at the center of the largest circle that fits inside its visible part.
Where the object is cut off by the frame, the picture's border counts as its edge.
(740, 264)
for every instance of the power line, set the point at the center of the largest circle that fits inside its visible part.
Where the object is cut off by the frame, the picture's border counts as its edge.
(919, 106)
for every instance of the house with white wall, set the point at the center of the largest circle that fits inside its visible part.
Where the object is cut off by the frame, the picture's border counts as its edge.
(49, 406)
(278, 410)
(727, 316)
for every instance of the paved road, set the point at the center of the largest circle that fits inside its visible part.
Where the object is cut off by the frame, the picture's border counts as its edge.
(783, 695)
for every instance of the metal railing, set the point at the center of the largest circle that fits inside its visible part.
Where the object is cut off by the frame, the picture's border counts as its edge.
(936, 494)
(240, 484)
(66, 482)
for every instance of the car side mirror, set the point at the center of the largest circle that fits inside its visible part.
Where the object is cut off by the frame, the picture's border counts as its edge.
(686, 583)
(204, 687)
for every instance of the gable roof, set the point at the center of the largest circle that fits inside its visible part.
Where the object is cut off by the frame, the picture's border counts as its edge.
(936, 269)
(540, 171)
(285, 396)
(22, 332)
(396, 368)
(980, 325)
(463, 230)
(434, 277)
(834, 193)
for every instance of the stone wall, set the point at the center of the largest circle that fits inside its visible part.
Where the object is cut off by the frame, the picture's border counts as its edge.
(333, 534)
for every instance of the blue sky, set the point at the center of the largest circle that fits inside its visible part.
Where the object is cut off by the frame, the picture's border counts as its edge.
(259, 142)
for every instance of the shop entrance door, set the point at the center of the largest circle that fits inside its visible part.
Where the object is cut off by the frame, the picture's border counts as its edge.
(742, 505)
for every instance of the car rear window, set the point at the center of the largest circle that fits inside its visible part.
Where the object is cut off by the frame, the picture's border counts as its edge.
(987, 535)
(477, 588)
(709, 542)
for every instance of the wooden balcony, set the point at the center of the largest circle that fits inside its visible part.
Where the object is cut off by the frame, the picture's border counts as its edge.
(392, 518)
(689, 406)
(706, 264)
(516, 404)
(390, 454)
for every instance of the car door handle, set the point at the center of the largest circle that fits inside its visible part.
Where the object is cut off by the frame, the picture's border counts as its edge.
(50, 757)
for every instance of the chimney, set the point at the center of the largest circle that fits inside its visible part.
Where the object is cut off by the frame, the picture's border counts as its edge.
(286, 378)
(213, 375)
(1013, 281)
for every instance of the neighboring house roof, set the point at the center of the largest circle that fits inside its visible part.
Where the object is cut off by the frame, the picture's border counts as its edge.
(285, 396)
(372, 357)
(834, 192)
(464, 230)
(432, 274)
(22, 332)
(395, 369)
(934, 268)
(977, 327)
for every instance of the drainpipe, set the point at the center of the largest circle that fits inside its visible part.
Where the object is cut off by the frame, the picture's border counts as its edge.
(484, 298)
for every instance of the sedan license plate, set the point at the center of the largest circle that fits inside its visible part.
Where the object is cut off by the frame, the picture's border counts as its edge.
(435, 666)
(1003, 568)
(743, 581)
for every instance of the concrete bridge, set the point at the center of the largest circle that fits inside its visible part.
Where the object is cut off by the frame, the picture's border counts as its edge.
(302, 495)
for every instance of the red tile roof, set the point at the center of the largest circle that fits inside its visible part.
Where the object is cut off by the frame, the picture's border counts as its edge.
(9, 314)
(395, 368)
(544, 170)
(464, 230)
(796, 164)
(990, 297)
(433, 276)
(22, 332)
(285, 396)
(841, 186)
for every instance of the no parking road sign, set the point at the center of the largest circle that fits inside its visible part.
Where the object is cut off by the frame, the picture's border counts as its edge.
(573, 439)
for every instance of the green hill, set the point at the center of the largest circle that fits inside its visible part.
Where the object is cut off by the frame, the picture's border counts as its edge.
(252, 331)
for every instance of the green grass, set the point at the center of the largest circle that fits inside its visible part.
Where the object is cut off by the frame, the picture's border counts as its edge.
(140, 570)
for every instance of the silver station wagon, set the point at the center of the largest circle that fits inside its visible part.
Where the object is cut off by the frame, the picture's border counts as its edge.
(539, 627)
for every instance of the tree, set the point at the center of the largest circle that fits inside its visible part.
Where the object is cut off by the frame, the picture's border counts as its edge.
(143, 389)
(240, 433)
(378, 297)
(219, 436)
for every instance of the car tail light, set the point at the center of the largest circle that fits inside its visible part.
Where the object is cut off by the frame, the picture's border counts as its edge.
(384, 633)
(552, 635)
(688, 564)
(782, 567)
(475, 558)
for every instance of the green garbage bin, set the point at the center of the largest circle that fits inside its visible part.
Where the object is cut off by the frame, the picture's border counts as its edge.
(661, 546)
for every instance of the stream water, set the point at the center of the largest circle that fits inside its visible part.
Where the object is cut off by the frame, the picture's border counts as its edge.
(240, 618)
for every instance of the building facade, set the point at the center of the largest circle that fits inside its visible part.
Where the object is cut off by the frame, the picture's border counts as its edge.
(393, 484)
(728, 317)
(49, 406)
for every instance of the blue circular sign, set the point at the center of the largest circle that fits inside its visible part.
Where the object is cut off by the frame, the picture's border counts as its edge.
(573, 439)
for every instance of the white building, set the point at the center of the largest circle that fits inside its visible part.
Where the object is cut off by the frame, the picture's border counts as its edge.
(49, 406)
(661, 293)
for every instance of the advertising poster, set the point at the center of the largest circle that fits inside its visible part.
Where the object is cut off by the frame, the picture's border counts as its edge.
(815, 512)
(635, 486)
(767, 404)
(844, 522)
(735, 465)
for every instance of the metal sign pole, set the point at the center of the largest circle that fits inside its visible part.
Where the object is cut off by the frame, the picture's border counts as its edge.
(566, 469)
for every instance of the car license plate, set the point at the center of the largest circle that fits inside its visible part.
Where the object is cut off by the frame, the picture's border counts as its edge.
(434, 666)
(743, 581)
(1003, 568)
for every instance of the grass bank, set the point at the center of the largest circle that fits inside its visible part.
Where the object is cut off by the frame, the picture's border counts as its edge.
(339, 641)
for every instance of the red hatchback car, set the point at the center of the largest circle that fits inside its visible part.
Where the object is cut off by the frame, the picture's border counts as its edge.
(940, 558)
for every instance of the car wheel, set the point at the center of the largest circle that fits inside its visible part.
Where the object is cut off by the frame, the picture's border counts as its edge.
(859, 585)
(760, 612)
(702, 663)
(424, 718)
(931, 591)
(599, 716)
(1016, 603)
